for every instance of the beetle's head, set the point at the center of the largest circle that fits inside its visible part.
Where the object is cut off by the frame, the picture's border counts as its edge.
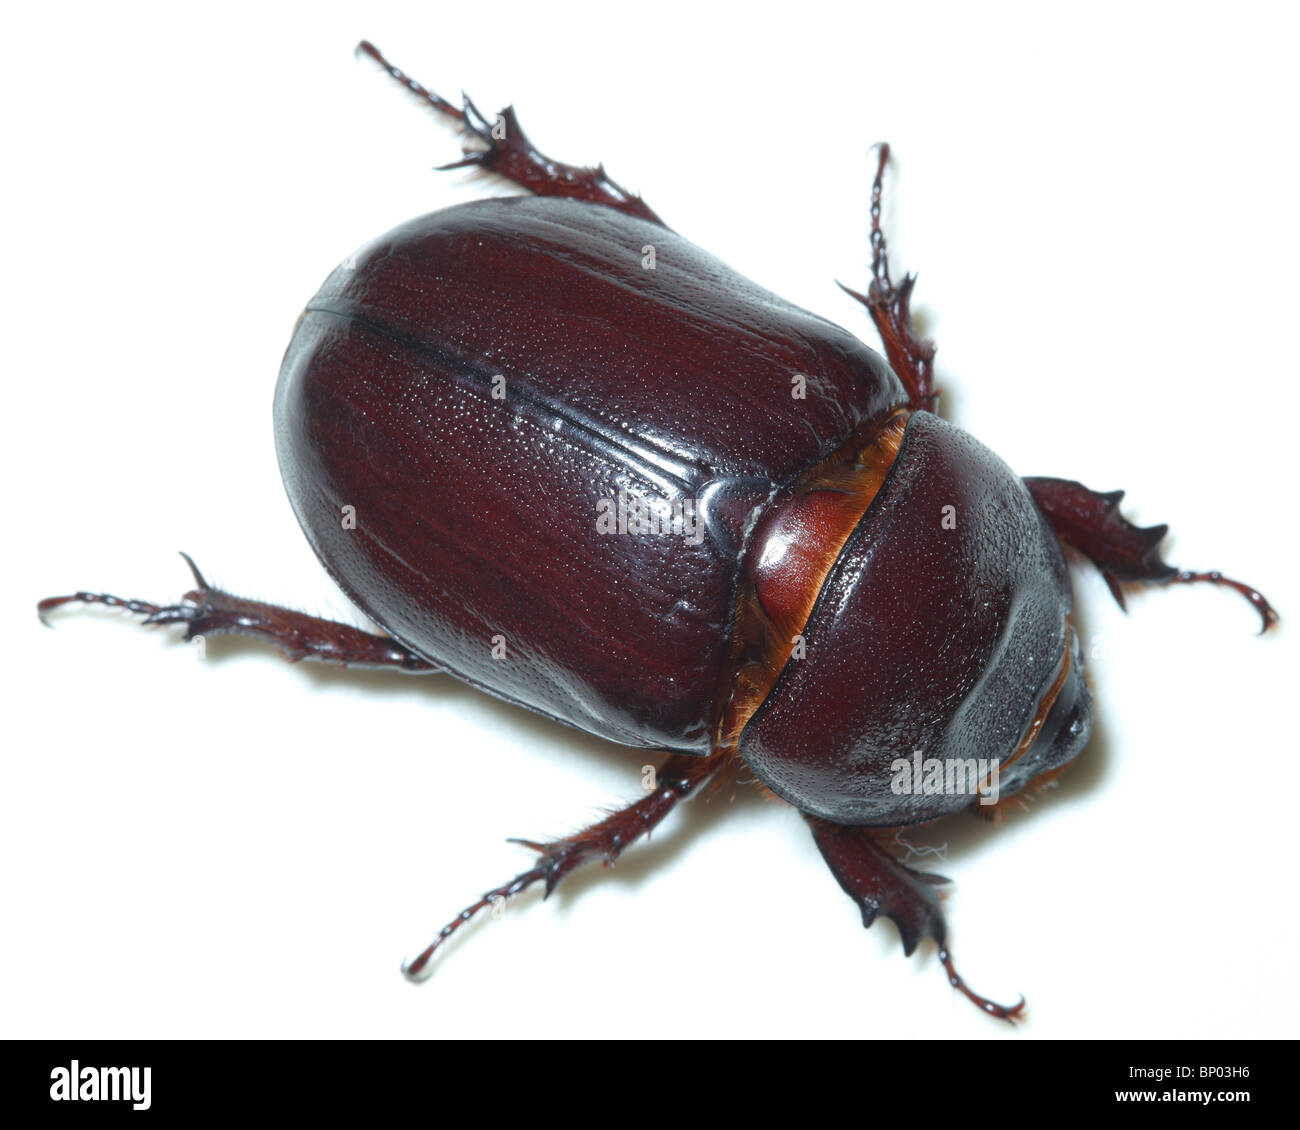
(938, 667)
(1061, 727)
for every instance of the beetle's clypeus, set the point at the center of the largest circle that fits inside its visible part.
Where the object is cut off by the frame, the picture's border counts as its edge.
(599, 474)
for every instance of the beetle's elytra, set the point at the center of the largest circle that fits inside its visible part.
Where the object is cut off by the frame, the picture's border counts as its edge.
(564, 455)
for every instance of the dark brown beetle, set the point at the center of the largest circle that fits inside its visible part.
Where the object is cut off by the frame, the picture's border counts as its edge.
(564, 455)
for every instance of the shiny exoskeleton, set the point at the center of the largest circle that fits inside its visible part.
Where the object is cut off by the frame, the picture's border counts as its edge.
(560, 453)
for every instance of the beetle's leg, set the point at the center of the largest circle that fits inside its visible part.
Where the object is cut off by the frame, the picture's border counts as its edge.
(910, 356)
(506, 150)
(679, 777)
(206, 611)
(1092, 524)
(879, 884)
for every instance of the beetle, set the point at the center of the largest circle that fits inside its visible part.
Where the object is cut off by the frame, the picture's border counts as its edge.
(558, 452)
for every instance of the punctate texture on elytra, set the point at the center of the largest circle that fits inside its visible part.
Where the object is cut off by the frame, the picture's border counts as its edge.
(476, 381)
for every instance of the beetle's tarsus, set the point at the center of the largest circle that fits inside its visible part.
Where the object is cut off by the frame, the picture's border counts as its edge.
(1267, 613)
(139, 607)
(153, 613)
(678, 779)
(1010, 1013)
(881, 284)
(365, 47)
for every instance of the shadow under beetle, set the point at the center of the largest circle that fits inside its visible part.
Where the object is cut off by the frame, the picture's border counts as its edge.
(596, 473)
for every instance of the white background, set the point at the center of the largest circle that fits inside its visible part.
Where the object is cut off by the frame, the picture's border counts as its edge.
(1101, 207)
